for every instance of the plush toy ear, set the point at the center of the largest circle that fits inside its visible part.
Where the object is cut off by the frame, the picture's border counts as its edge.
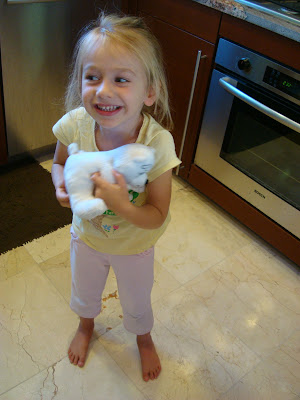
(143, 154)
(140, 157)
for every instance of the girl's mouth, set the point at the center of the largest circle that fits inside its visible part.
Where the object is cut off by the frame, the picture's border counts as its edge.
(107, 110)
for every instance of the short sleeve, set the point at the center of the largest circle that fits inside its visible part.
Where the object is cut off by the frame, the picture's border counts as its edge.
(65, 129)
(165, 155)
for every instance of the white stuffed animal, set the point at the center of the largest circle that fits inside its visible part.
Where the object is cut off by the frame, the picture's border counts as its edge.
(133, 161)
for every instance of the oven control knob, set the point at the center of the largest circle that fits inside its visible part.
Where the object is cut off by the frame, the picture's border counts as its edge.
(244, 64)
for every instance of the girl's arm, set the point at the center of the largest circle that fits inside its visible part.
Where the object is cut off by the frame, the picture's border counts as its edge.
(57, 172)
(149, 216)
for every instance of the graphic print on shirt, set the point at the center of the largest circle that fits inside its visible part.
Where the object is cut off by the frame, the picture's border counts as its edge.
(132, 196)
(105, 229)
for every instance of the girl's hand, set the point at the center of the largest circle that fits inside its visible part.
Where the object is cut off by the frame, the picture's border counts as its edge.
(115, 195)
(150, 215)
(57, 172)
(62, 196)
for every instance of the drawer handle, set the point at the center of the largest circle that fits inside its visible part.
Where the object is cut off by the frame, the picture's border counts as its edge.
(199, 58)
(227, 84)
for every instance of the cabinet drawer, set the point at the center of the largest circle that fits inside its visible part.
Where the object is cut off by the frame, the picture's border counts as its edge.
(188, 15)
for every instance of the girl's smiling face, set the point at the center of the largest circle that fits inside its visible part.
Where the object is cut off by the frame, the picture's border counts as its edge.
(114, 88)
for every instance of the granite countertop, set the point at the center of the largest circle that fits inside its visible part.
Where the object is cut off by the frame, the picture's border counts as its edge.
(256, 17)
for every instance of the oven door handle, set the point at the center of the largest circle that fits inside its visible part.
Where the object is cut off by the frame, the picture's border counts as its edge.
(228, 84)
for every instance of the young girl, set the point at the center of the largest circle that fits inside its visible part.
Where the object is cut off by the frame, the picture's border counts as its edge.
(117, 85)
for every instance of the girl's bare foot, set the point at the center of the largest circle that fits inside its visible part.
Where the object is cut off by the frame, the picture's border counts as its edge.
(79, 346)
(151, 366)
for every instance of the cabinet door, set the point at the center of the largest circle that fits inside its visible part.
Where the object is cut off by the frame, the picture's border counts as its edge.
(3, 145)
(181, 50)
(190, 16)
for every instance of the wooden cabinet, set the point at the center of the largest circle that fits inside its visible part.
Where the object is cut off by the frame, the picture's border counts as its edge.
(182, 51)
(187, 15)
(3, 144)
(184, 29)
(82, 13)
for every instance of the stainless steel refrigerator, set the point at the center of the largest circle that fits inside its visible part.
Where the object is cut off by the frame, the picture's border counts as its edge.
(35, 41)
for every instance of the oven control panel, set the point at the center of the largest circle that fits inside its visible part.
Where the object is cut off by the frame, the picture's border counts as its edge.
(260, 70)
(282, 82)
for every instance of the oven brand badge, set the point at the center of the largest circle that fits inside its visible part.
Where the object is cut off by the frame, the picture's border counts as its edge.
(260, 194)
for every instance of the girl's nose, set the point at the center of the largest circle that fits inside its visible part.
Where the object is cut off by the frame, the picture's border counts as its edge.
(104, 89)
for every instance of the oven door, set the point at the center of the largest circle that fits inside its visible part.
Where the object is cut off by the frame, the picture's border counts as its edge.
(250, 142)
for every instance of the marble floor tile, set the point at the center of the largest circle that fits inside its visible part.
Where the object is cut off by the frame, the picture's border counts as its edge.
(189, 372)
(164, 282)
(186, 195)
(182, 312)
(35, 325)
(292, 347)
(196, 239)
(100, 379)
(46, 164)
(276, 378)
(58, 271)
(14, 262)
(187, 248)
(179, 185)
(255, 294)
(50, 245)
(226, 307)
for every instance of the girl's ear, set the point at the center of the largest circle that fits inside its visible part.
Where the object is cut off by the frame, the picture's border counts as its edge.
(151, 97)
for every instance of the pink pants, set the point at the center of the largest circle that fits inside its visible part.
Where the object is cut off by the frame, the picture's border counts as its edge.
(134, 275)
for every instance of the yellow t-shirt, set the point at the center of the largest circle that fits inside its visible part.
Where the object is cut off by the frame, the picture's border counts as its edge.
(109, 233)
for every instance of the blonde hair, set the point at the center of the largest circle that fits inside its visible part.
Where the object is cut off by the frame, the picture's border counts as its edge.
(133, 35)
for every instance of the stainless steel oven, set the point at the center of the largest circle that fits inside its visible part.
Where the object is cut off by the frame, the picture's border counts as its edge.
(250, 135)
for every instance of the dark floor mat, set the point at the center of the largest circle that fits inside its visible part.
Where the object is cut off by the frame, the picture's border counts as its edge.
(28, 206)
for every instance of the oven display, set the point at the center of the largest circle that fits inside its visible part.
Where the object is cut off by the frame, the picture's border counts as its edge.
(282, 82)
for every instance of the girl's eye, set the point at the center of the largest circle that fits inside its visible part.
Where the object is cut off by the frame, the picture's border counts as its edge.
(121, 80)
(92, 78)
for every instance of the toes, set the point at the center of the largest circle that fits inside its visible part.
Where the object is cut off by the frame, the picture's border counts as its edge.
(152, 374)
(81, 362)
(156, 372)
(75, 360)
(71, 356)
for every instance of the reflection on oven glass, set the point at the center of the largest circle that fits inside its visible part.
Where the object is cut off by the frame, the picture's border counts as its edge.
(264, 151)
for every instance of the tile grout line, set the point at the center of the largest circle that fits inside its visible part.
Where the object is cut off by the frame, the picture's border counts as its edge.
(260, 357)
(218, 262)
(119, 365)
(31, 377)
(239, 379)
